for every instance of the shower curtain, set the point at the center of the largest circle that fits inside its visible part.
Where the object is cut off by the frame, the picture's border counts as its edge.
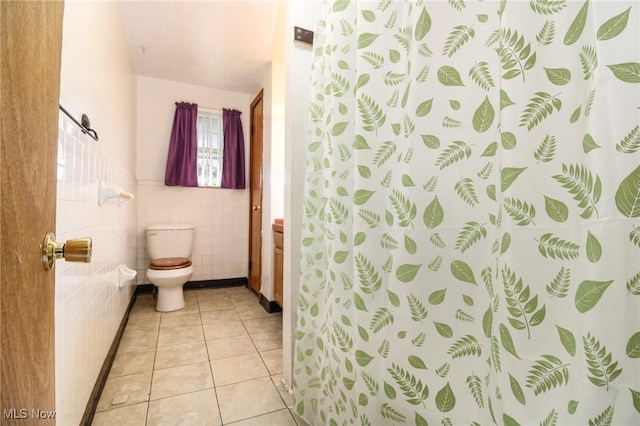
(471, 231)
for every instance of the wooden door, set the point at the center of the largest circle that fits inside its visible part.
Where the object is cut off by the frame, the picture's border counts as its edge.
(255, 190)
(31, 37)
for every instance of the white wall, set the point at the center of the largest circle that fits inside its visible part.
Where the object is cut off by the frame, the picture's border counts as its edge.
(268, 190)
(277, 138)
(277, 83)
(96, 79)
(219, 215)
(305, 14)
(272, 153)
(272, 168)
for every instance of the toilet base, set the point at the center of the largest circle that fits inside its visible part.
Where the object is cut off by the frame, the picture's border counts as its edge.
(170, 299)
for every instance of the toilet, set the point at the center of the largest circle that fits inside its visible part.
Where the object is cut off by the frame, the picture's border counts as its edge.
(169, 248)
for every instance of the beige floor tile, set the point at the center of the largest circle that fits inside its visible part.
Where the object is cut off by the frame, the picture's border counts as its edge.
(267, 341)
(212, 290)
(250, 310)
(180, 335)
(282, 390)
(190, 307)
(219, 303)
(182, 320)
(247, 299)
(145, 301)
(246, 296)
(277, 418)
(224, 329)
(237, 369)
(133, 388)
(245, 303)
(132, 362)
(215, 305)
(189, 295)
(263, 325)
(138, 341)
(144, 324)
(212, 294)
(176, 355)
(234, 405)
(239, 290)
(179, 380)
(191, 409)
(273, 360)
(133, 415)
(143, 313)
(236, 327)
(230, 346)
(216, 316)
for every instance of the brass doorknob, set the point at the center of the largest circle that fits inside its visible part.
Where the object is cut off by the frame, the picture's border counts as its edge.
(257, 207)
(76, 250)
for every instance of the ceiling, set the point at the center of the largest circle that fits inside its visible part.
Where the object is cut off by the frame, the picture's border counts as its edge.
(224, 44)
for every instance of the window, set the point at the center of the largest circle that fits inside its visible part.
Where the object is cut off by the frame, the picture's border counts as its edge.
(210, 146)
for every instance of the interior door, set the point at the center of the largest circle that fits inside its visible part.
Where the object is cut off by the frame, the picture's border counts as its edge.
(31, 37)
(255, 190)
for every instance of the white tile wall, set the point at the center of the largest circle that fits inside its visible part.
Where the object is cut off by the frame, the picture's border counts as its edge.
(221, 220)
(89, 303)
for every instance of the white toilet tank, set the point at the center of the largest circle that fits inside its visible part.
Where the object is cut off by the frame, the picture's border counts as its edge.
(169, 240)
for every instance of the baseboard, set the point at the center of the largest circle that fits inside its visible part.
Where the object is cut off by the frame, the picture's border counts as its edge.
(269, 305)
(94, 398)
(144, 289)
(191, 285)
(227, 282)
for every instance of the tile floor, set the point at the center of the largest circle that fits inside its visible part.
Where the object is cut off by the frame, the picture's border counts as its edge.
(218, 361)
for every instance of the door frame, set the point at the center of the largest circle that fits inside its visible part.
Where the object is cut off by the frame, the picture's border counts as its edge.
(256, 168)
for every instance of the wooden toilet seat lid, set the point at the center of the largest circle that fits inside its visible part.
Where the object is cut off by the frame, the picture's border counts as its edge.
(168, 263)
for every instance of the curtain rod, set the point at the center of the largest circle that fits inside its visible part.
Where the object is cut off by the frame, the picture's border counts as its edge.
(214, 110)
(84, 125)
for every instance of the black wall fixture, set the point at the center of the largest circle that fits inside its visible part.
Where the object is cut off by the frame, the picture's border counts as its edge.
(84, 124)
(302, 35)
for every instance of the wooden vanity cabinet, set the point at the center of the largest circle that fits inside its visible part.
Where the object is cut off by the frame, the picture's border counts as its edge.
(278, 261)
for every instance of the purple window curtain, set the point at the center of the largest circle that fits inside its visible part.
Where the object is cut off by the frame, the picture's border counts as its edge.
(233, 156)
(182, 161)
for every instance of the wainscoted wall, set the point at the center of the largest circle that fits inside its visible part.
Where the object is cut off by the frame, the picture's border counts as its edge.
(97, 78)
(220, 217)
(89, 302)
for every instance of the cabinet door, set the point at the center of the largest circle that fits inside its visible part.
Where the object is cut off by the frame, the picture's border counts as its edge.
(278, 260)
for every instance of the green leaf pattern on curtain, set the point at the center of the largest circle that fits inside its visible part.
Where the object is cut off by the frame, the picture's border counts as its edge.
(471, 230)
